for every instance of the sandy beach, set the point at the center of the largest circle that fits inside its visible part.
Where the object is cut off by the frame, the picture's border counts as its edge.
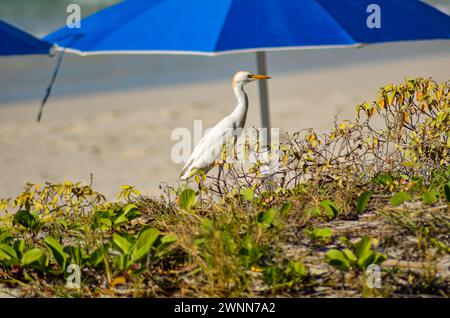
(125, 137)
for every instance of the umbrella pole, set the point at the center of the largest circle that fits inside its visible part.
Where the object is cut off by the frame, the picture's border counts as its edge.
(261, 60)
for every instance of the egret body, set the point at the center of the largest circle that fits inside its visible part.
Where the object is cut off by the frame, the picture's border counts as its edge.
(210, 146)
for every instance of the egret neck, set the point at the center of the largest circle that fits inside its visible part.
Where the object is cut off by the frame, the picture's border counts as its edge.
(239, 115)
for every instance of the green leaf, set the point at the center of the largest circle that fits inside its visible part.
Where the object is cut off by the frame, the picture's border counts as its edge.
(430, 197)
(130, 207)
(379, 258)
(120, 220)
(337, 259)
(19, 247)
(344, 241)
(362, 248)
(102, 219)
(131, 211)
(330, 208)
(144, 242)
(4, 256)
(384, 179)
(104, 224)
(26, 219)
(187, 199)
(319, 234)
(363, 200)
(103, 214)
(162, 245)
(349, 254)
(447, 191)
(8, 251)
(121, 243)
(96, 257)
(33, 255)
(122, 262)
(76, 254)
(285, 209)
(167, 239)
(299, 269)
(247, 193)
(266, 219)
(399, 198)
(5, 236)
(366, 259)
(57, 251)
(313, 212)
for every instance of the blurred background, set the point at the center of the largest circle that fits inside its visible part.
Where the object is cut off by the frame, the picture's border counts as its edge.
(112, 116)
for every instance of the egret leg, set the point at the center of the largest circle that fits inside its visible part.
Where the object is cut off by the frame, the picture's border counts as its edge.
(219, 174)
(199, 184)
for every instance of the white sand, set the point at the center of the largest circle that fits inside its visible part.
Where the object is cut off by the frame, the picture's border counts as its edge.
(124, 137)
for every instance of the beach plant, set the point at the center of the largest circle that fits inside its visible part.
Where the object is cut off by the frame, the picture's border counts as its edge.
(330, 209)
(131, 250)
(62, 224)
(319, 234)
(399, 198)
(430, 197)
(56, 250)
(186, 199)
(247, 194)
(267, 219)
(285, 276)
(401, 136)
(115, 216)
(363, 200)
(358, 257)
(242, 233)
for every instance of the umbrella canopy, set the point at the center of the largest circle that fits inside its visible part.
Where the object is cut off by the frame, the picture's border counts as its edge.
(209, 27)
(214, 27)
(14, 41)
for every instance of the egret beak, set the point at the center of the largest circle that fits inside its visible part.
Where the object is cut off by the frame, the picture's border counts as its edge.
(259, 77)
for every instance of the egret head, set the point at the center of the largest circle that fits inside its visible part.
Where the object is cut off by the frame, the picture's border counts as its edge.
(243, 77)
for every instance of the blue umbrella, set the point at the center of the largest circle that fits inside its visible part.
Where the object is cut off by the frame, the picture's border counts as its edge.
(14, 41)
(209, 27)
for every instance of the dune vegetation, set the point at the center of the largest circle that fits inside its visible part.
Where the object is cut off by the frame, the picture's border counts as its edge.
(373, 191)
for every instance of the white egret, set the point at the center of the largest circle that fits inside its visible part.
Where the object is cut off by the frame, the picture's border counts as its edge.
(210, 146)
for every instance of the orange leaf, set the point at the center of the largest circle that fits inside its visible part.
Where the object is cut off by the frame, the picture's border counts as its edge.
(419, 96)
(423, 107)
(118, 281)
(406, 117)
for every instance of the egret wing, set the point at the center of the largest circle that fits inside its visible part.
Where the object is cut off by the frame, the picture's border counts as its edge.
(209, 145)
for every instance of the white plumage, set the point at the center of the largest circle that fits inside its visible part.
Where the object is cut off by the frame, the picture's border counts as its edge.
(210, 146)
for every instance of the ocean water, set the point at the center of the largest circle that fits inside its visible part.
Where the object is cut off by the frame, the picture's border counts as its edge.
(27, 77)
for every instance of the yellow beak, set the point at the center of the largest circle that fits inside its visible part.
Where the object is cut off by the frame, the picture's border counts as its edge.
(260, 77)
